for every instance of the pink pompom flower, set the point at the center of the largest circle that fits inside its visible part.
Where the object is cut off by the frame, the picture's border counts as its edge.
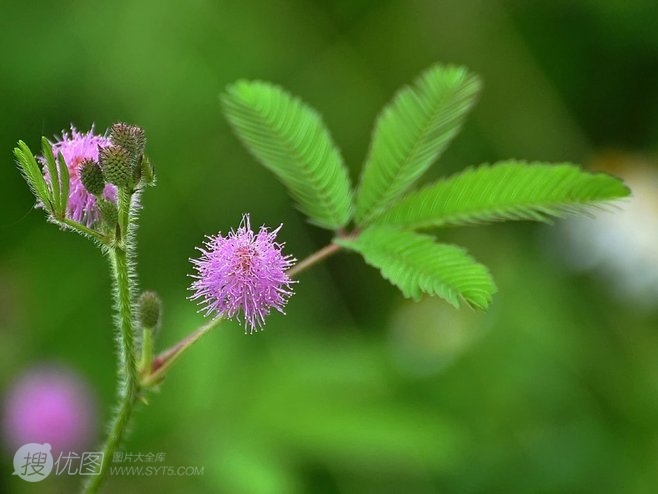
(244, 272)
(77, 147)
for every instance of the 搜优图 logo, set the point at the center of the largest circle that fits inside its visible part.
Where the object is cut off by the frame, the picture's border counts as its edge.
(33, 462)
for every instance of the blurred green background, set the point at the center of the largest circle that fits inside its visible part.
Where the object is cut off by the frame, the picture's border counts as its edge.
(554, 390)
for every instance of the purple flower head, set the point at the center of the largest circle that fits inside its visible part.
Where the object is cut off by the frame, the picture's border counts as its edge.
(77, 147)
(243, 272)
(48, 404)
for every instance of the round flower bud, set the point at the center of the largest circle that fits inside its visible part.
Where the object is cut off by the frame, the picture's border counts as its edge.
(116, 164)
(150, 309)
(130, 137)
(91, 177)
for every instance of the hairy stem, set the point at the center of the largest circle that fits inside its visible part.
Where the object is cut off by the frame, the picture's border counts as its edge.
(122, 272)
(123, 212)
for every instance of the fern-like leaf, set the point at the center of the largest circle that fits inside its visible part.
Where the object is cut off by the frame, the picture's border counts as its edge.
(416, 264)
(508, 190)
(290, 139)
(411, 133)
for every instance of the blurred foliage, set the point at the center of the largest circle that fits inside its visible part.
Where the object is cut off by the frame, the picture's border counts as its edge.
(555, 389)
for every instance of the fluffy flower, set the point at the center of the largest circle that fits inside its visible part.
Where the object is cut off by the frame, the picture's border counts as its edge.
(77, 147)
(244, 272)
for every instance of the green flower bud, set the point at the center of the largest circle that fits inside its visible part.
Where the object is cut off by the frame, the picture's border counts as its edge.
(91, 177)
(116, 163)
(150, 309)
(129, 137)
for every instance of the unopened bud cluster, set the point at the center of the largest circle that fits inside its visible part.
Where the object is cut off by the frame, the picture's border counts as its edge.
(122, 163)
(129, 137)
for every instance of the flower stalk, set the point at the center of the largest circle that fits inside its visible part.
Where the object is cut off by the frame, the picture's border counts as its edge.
(313, 259)
(122, 262)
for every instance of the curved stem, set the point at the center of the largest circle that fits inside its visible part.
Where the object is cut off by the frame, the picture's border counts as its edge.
(122, 271)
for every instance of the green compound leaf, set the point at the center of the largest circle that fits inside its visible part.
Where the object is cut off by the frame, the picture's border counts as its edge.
(411, 133)
(416, 264)
(33, 175)
(508, 190)
(289, 138)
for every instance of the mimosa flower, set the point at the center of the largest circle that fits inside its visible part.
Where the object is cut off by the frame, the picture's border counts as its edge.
(244, 272)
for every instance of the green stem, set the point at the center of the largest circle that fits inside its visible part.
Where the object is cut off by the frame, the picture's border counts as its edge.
(128, 361)
(83, 230)
(313, 259)
(122, 271)
(123, 212)
(147, 350)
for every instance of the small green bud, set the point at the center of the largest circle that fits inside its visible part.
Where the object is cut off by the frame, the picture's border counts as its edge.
(91, 177)
(129, 137)
(150, 309)
(109, 213)
(117, 165)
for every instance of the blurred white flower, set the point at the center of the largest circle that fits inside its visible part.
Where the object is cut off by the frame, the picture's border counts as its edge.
(621, 245)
